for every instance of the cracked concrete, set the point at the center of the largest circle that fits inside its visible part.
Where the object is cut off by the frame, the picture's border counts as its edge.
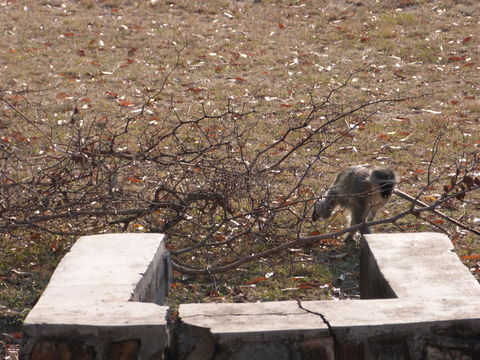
(423, 293)
(419, 301)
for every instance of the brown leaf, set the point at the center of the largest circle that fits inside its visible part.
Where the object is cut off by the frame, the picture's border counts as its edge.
(125, 103)
(134, 179)
(132, 51)
(429, 198)
(111, 94)
(470, 257)
(62, 96)
(307, 285)
(457, 58)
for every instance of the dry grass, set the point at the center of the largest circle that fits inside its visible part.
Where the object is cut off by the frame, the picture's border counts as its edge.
(109, 56)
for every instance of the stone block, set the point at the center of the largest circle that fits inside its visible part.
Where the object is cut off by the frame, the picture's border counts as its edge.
(104, 297)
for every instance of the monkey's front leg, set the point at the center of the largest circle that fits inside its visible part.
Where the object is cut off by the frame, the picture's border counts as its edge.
(358, 215)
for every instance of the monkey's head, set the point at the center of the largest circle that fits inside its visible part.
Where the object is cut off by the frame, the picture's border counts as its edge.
(323, 208)
(386, 181)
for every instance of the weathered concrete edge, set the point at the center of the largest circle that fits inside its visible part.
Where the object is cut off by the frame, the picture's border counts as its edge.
(152, 337)
(413, 265)
(155, 283)
(347, 319)
(98, 322)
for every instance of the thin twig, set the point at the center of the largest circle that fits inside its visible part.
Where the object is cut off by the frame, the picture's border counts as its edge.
(435, 211)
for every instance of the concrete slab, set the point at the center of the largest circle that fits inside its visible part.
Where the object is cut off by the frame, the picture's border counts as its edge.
(267, 320)
(94, 296)
(253, 321)
(421, 266)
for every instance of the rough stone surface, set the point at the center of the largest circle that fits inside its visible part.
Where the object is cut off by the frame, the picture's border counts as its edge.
(420, 311)
(123, 350)
(268, 321)
(419, 265)
(93, 297)
(59, 350)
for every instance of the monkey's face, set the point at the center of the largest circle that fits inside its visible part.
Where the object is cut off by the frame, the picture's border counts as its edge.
(386, 189)
(386, 181)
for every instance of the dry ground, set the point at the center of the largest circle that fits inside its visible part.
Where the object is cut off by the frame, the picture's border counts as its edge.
(107, 57)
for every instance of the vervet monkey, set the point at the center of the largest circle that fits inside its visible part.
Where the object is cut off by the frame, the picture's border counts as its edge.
(361, 189)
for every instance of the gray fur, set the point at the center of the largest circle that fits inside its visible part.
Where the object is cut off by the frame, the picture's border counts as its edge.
(361, 189)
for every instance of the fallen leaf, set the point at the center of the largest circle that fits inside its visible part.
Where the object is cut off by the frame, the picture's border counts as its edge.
(307, 285)
(62, 96)
(429, 198)
(470, 257)
(457, 58)
(111, 94)
(134, 179)
(125, 103)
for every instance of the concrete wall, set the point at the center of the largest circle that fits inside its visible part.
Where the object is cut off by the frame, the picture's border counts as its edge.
(419, 302)
(422, 304)
(102, 302)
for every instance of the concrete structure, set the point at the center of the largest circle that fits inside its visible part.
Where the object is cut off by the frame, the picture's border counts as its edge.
(427, 307)
(102, 301)
(419, 302)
